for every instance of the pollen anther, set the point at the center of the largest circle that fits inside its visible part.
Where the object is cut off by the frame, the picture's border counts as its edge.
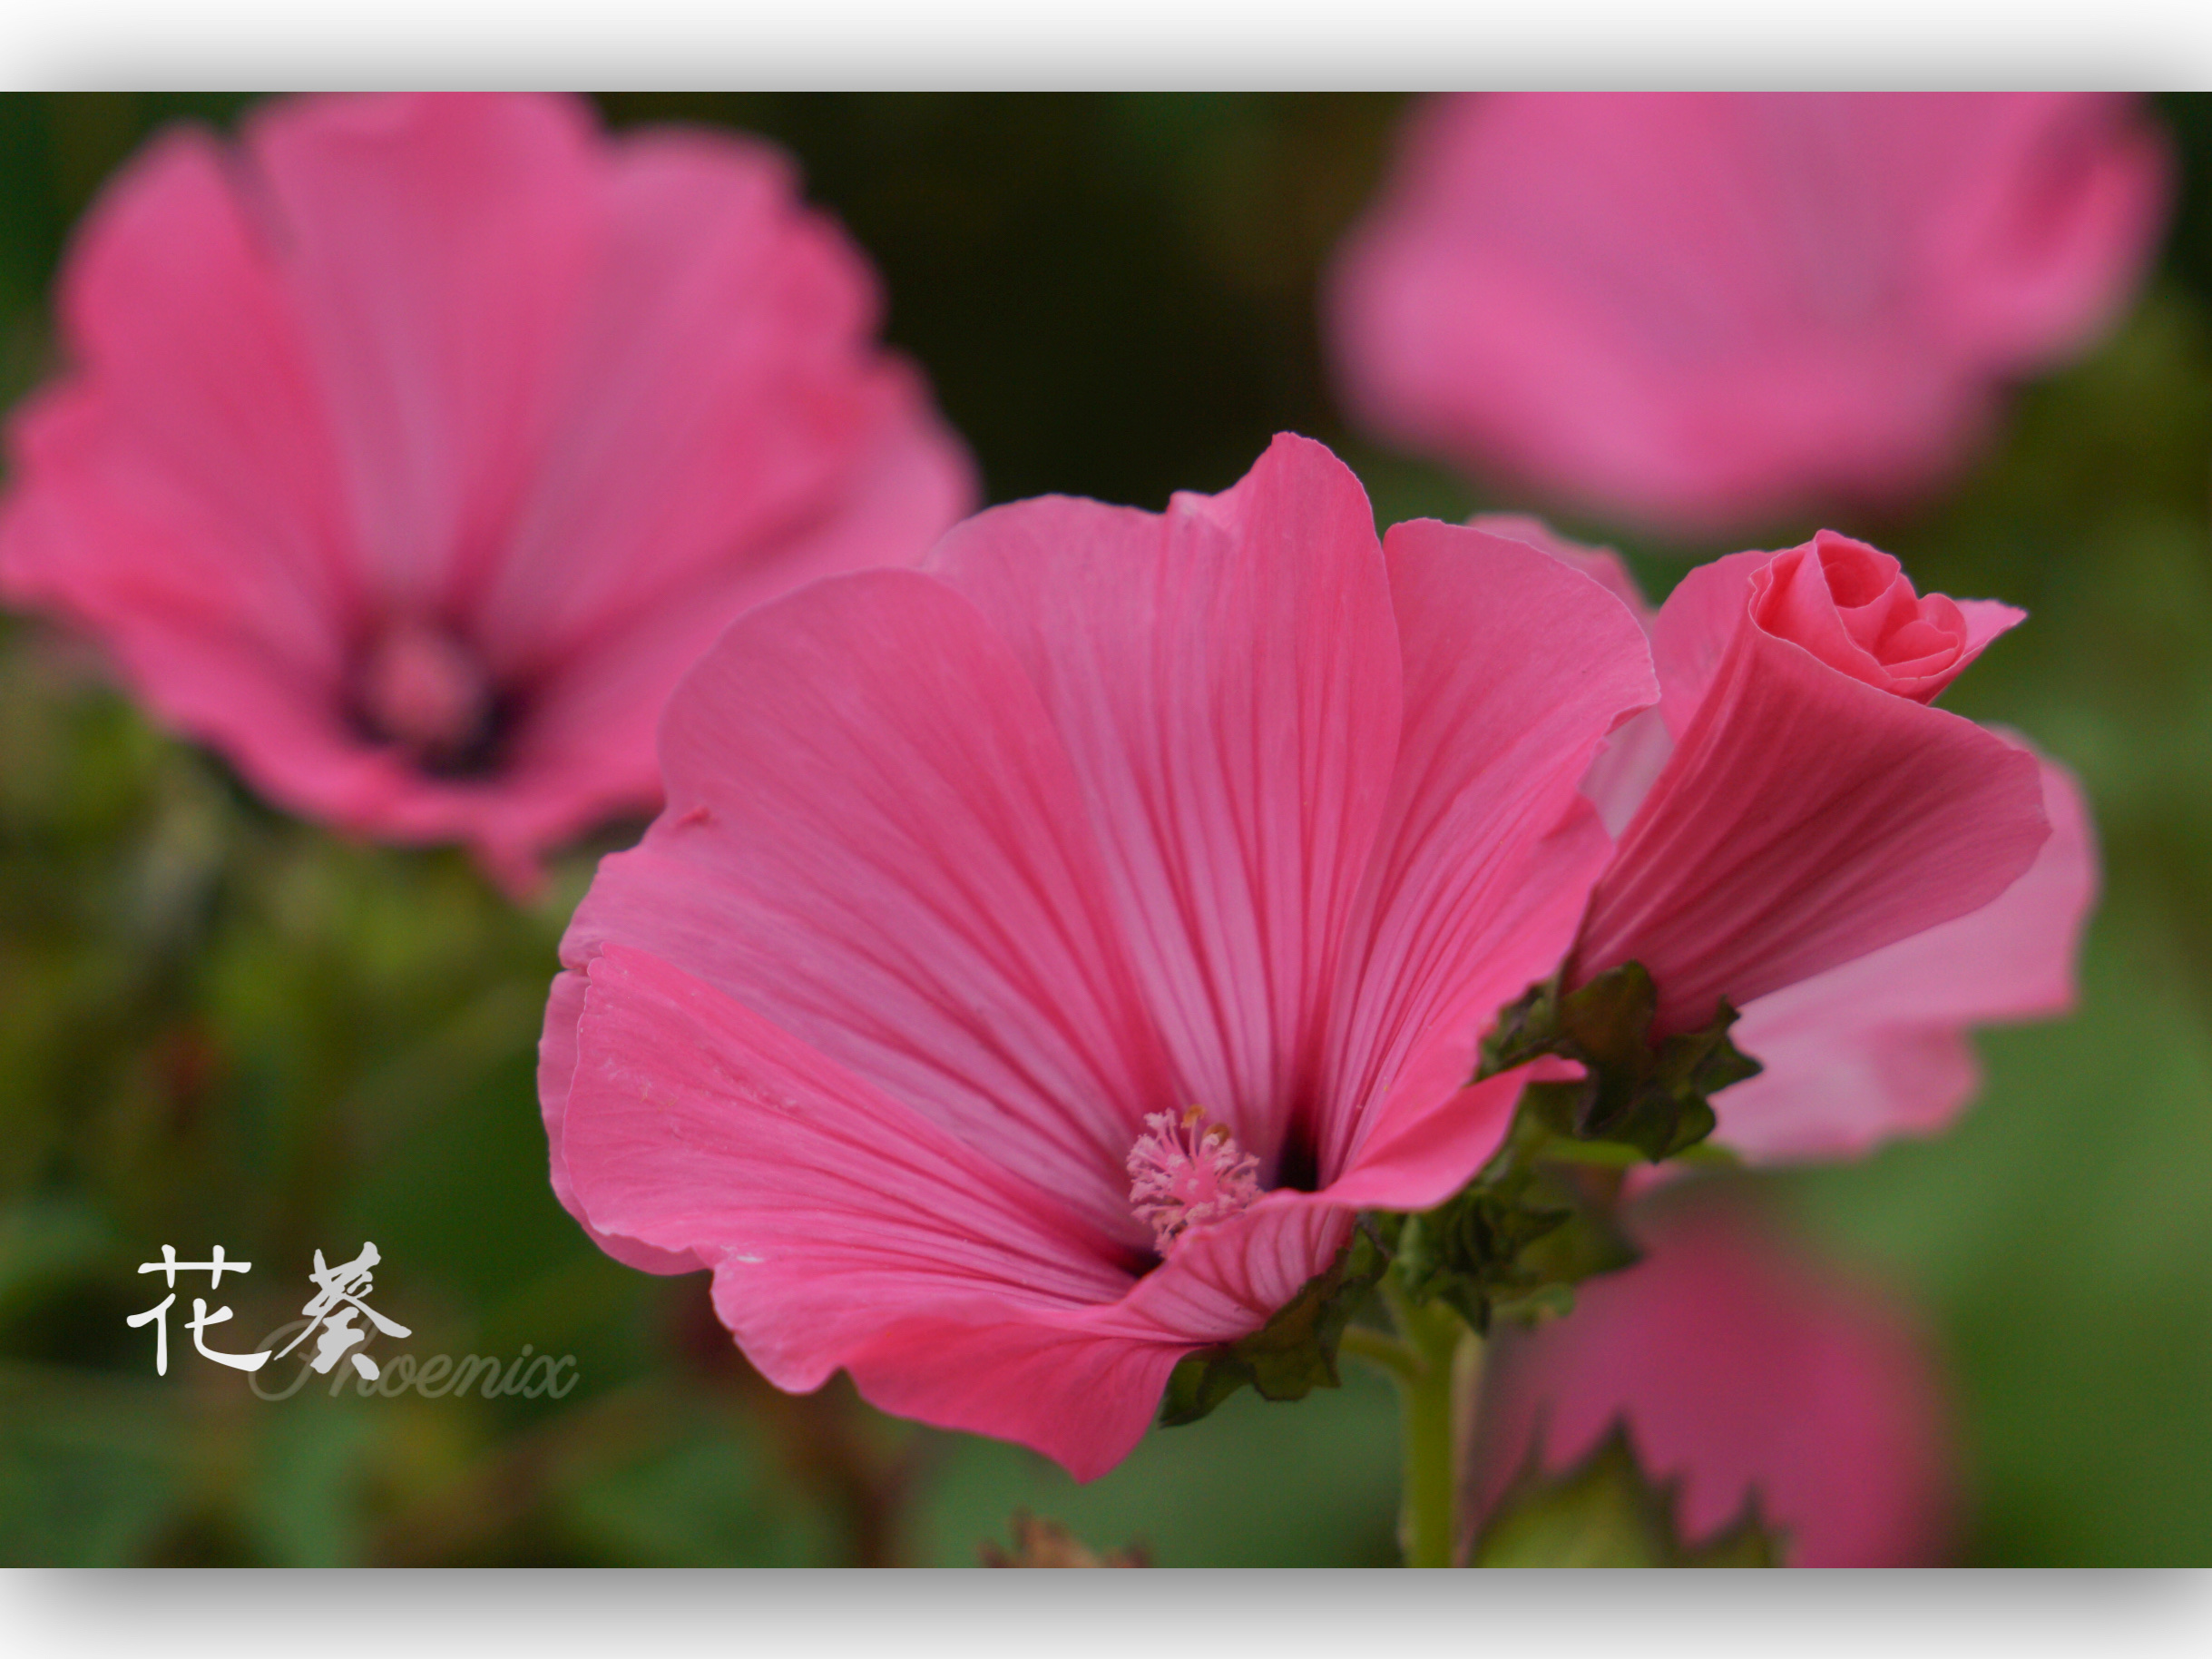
(1185, 1172)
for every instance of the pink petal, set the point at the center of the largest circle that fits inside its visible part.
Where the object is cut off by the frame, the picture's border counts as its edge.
(1622, 774)
(1083, 1387)
(1516, 668)
(1805, 818)
(873, 840)
(1741, 1367)
(436, 249)
(1876, 1048)
(557, 1071)
(185, 476)
(1692, 631)
(2073, 193)
(722, 390)
(845, 1229)
(1694, 309)
(1082, 1401)
(694, 1124)
(1432, 1135)
(1225, 677)
(586, 748)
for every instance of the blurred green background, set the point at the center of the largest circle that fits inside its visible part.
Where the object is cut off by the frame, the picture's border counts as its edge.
(220, 1027)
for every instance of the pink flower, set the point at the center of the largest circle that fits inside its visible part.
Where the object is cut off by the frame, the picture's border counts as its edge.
(1042, 955)
(1702, 310)
(413, 448)
(1742, 1368)
(1874, 1043)
(1809, 813)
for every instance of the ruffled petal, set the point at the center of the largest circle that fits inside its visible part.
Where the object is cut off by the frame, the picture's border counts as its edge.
(1692, 631)
(556, 1071)
(1225, 677)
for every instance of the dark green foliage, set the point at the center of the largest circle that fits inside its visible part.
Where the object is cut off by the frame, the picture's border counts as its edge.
(1523, 1233)
(1648, 1095)
(1539, 1218)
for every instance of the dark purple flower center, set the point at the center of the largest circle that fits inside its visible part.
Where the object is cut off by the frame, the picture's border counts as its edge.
(425, 691)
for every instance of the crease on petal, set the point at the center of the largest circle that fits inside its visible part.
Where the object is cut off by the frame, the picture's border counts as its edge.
(1516, 669)
(692, 1124)
(1225, 679)
(873, 839)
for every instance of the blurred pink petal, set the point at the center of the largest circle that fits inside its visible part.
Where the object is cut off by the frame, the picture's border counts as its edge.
(980, 870)
(1743, 1368)
(1704, 310)
(413, 448)
(1809, 813)
(1878, 1046)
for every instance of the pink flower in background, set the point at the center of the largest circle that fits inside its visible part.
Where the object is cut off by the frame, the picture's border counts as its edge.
(1742, 1367)
(412, 449)
(1695, 311)
(1874, 1044)
(1042, 957)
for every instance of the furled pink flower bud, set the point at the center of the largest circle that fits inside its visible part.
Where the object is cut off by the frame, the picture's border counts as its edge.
(1878, 1046)
(1854, 609)
(1814, 807)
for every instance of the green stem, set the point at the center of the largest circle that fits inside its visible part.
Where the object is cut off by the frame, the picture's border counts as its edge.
(1436, 1398)
(1364, 1342)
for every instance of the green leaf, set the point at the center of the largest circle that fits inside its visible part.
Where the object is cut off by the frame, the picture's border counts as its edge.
(1650, 1096)
(1293, 1353)
(1539, 1218)
(1607, 1512)
(1525, 1231)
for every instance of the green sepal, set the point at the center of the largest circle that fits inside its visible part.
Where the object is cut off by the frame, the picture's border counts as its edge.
(1521, 1235)
(1607, 1512)
(1650, 1096)
(1293, 1353)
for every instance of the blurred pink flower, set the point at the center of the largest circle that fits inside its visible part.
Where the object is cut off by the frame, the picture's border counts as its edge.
(1742, 1367)
(1042, 955)
(412, 449)
(1696, 311)
(1874, 1045)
